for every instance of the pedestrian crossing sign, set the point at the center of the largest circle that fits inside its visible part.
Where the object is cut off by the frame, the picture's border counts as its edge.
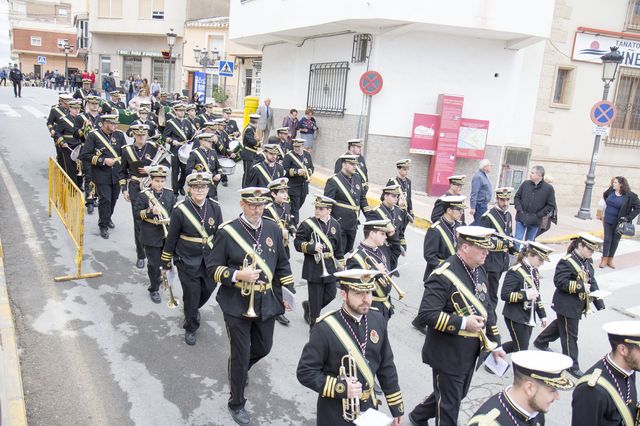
(226, 69)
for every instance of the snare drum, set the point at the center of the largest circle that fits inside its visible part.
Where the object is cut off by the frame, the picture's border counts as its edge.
(228, 166)
(184, 151)
(76, 152)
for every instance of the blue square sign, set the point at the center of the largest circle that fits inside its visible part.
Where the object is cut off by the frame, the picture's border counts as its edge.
(42, 60)
(225, 69)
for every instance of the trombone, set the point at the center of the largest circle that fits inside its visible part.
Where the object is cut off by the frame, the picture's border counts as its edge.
(319, 257)
(172, 303)
(350, 406)
(487, 345)
(248, 289)
(584, 277)
(386, 278)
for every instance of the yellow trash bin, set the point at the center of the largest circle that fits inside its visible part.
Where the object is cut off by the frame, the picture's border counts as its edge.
(250, 107)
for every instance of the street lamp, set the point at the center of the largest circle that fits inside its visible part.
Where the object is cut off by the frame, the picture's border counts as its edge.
(66, 47)
(171, 41)
(206, 60)
(610, 63)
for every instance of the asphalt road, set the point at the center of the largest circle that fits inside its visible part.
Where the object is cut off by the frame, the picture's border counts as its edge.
(98, 351)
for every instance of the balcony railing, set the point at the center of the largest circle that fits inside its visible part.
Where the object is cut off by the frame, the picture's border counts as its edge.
(632, 22)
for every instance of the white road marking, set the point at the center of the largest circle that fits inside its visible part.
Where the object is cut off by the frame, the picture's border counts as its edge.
(34, 111)
(7, 111)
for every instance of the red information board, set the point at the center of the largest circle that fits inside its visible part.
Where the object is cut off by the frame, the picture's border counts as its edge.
(472, 138)
(424, 135)
(444, 161)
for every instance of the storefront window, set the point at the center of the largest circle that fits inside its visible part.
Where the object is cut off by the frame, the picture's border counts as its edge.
(132, 65)
(161, 72)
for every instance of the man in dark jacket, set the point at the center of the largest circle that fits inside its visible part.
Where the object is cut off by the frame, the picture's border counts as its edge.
(16, 77)
(534, 200)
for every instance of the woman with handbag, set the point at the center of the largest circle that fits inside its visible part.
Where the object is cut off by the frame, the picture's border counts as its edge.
(622, 206)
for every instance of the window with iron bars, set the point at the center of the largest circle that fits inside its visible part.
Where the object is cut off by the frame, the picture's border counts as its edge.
(632, 23)
(361, 48)
(327, 88)
(625, 131)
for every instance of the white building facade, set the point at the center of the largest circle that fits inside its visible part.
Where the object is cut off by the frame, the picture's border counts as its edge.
(488, 52)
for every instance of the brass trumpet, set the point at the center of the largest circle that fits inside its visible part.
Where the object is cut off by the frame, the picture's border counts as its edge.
(584, 277)
(172, 303)
(350, 406)
(319, 257)
(387, 278)
(487, 345)
(162, 220)
(247, 289)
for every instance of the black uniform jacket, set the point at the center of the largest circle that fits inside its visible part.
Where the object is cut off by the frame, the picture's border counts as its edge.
(517, 308)
(319, 365)
(498, 258)
(191, 234)
(80, 93)
(571, 273)
(405, 187)
(64, 131)
(366, 257)
(397, 216)
(203, 118)
(231, 127)
(350, 196)
(438, 210)
(99, 146)
(448, 348)
(361, 169)
(503, 411)
(233, 241)
(84, 123)
(292, 163)
(439, 244)
(249, 143)
(177, 130)
(134, 157)
(330, 238)
(151, 232)
(153, 127)
(54, 115)
(261, 174)
(593, 405)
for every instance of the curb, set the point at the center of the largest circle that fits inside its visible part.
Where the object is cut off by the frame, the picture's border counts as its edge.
(419, 222)
(13, 410)
(566, 238)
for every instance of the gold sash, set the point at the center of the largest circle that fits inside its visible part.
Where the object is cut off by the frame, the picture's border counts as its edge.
(67, 120)
(107, 144)
(347, 194)
(178, 129)
(202, 159)
(248, 249)
(152, 198)
(196, 223)
(446, 239)
(320, 234)
(613, 393)
(300, 164)
(462, 288)
(495, 223)
(263, 171)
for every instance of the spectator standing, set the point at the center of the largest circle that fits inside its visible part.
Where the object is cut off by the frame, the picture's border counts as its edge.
(308, 128)
(155, 87)
(129, 89)
(16, 77)
(265, 123)
(534, 200)
(622, 206)
(143, 96)
(106, 87)
(145, 85)
(3, 77)
(291, 123)
(481, 191)
(77, 79)
(92, 76)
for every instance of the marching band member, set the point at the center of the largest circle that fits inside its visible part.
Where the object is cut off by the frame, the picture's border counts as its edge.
(116, 102)
(454, 306)
(177, 133)
(143, 118)
(204, 158)
(574, 280)
(537, 378)
(266, 171)
(404, 201)
(455, 188)
(153, 207)
(64, 134)
(279, 211)
(370, 255)
(250, 147)
(103, 149)
(298, 166)
(194, 223)
(284, 146)
(353, 336)
(206, 115)
(521, 294)
(81, 93)
(55, 113)
(319, 236)
(607, 394)
(388, 209)
(136, 160)
(251, 264)
(347, 189)
(230, 125)
(355, 148)
(85, 122)
(192, 119)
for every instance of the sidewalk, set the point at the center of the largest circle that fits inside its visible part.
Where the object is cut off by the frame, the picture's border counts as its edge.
(11, 395)
(568, 225)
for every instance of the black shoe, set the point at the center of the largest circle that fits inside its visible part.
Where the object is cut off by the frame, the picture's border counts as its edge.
(576, 372)
(305, 308)
(240, 416)
(90, 208)
(140, 263)
(155, 297)
(190, 338)
(224, 183)
(111, 225)
(413, 422)
(181, 191)
(198, 316)
(541, 347)
(396, 274)
(418, 327)
(104, 233)
(282, 319)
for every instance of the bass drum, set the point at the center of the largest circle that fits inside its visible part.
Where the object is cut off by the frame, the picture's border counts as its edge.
(228, 166)
(184, 151)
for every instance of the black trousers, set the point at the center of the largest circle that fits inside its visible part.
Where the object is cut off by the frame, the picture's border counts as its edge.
(59, 157)
(297, 196)
(444, 403)
(90, 190)
(70, 167)
(493, 279)
(567, 330)
(250, 341)
(320, 295)
(134, 193)
(107, 197)
(196, 291)
(348, 239)
(153, 267)
(520, 336)
(178, 174)
(246, 165)
(611, 240)
(17, 88)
